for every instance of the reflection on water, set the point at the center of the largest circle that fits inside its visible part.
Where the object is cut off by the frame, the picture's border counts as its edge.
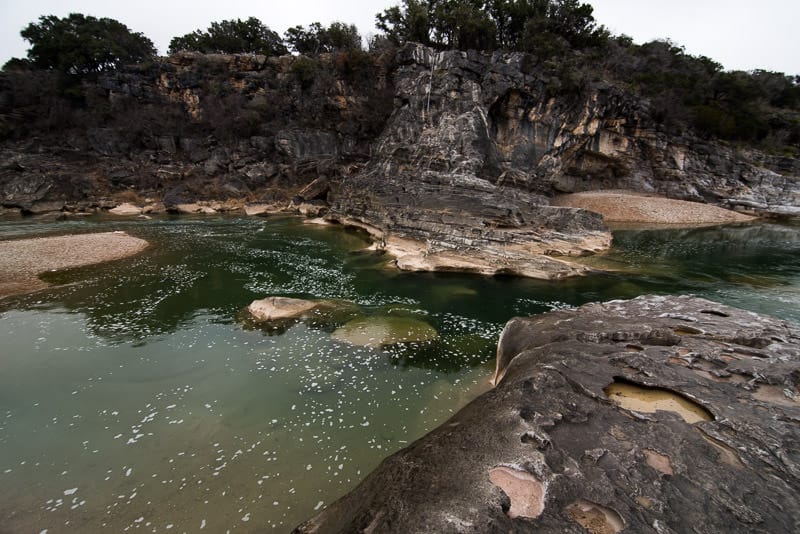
(133, 397)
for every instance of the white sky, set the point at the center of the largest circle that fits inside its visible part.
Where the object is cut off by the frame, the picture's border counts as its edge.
(740, 34)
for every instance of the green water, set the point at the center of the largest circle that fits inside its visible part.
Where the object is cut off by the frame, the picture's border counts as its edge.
(134, 396)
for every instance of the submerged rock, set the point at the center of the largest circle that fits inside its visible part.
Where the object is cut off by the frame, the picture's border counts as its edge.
(553, 449)
(381, 331)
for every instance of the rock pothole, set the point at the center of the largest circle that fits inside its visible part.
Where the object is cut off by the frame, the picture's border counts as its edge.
(777, 395)
(715, 312)
(659, 462)
(645, 399)
(685, 330)
(596, 519)
(524, 490)
(727, 454)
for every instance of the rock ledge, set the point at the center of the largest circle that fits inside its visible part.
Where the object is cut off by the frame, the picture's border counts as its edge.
(555, 447)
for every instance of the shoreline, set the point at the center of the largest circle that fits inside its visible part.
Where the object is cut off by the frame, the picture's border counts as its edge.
(23, 260)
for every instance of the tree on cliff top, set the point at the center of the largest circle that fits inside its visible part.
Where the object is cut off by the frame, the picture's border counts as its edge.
(238, 36)
(530, 25)
(317, 39)
(80, 44)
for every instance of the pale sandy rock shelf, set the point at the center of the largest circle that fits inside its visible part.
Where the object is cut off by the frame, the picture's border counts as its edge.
(23, 260)
(628, 207)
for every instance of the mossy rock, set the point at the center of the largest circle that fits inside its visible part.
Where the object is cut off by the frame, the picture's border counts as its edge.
(384, 330)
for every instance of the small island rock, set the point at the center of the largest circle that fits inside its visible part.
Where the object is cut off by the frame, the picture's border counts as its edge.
(278, 308)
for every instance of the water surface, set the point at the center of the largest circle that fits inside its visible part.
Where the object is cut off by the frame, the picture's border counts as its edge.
(134, 397)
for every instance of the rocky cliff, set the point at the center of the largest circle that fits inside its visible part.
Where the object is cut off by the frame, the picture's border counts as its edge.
(449, 159)
(658, 414)
(462, 173)
(191, 127)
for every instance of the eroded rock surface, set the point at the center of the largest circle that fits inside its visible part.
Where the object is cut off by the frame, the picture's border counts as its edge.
(449, 159)
(466, 166)
(438, 185)
(549, 431)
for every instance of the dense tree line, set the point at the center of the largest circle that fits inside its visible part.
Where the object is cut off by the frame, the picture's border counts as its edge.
(564, 42)
(237, 36)
(318, 39)
(80, 45)
(489, 24)
(686, 90)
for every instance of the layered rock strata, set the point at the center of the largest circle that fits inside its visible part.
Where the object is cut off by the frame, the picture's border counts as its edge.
(448, 158)
(462, 175)
(658, 414)
(436, 193)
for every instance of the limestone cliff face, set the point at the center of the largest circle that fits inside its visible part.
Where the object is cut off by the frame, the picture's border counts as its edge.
(486, 122)
(194, 126)
(410, 140)
(437, 177)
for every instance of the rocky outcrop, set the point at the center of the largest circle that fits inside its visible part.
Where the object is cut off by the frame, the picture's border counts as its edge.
(275, 315)
(126, 209)
(462, 174)
(658, 414)
(435, 193)
(449, 159)
(194, 127)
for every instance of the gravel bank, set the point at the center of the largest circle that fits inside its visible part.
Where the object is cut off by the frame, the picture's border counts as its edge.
(621, 206)
(23, 260)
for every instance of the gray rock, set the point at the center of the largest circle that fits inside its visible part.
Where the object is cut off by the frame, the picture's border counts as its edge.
(302, 144)
(437, 177)
(315, 190)
(459, 151)
(475, 144)
(107, 141)
(126, 209)
(575, 434)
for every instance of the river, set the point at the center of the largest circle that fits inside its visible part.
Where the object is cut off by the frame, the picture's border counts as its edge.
(134, 395)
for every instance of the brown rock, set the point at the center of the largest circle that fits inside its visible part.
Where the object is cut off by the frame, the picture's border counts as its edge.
(126, 209)
(278, 308)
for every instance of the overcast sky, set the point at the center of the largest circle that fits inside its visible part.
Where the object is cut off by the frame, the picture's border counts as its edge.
(740, 34)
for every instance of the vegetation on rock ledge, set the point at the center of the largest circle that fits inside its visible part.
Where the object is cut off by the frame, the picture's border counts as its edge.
(564, 44)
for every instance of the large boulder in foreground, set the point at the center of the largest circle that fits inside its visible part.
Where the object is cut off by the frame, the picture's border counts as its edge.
(658, 414)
